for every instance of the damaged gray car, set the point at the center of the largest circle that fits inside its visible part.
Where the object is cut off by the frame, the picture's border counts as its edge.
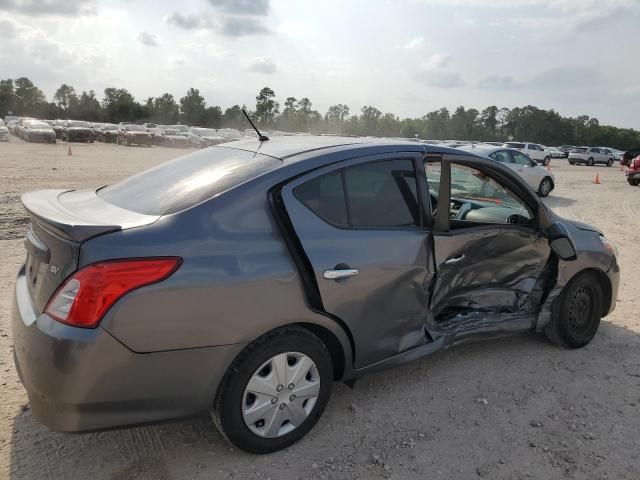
(244, 279)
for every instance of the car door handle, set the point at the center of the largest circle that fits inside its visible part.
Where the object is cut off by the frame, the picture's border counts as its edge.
(338, 274)
(453, 260)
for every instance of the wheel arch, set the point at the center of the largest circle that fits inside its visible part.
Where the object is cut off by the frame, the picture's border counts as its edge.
(603, 281)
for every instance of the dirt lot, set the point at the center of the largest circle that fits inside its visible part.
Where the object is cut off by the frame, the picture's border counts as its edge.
(504, 409)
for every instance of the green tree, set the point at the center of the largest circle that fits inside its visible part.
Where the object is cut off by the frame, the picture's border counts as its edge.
(120, 106)
(164, 109)
(29, 99)
(65, 97)
(7, 97)
(233, 117)
(87, 107)
(267, 108)
(193, 108)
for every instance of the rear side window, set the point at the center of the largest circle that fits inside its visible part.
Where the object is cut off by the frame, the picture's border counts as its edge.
(325, 197)
(501, 156)
(379, 194)
(186, 181)
(382, 194)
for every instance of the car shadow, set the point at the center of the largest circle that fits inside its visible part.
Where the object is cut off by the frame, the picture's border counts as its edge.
(494, 385)
(553, 201)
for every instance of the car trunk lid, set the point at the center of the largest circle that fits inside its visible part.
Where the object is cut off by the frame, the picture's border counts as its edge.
(61, 220)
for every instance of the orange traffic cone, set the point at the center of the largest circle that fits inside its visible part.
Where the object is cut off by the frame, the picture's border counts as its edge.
(597, 179)
(69, 151)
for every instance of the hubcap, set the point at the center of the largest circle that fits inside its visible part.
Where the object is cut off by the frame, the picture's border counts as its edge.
(546, 187)
(580, 311)
(269, 409)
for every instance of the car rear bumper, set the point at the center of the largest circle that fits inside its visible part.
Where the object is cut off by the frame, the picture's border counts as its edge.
(84, 379)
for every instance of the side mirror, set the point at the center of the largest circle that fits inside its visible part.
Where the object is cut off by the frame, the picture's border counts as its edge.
(561, 242)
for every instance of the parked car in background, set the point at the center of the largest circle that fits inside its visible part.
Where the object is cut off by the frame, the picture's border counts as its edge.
(590, 156)
(38, 131)
(538, 178)
(4, 132)
(626, 157)
(553, 151)
(615, 153)
(162, 295)
(22, 121)
(184, 129)
(77, 131)
(204, 137)
(566, 149)
(132, 134)
(231, 133)
(533, 150)
(12, 126)
(107, 132)
(58, 127)
(169, 137)
(495, 144)
(633, 173)
(150, 127)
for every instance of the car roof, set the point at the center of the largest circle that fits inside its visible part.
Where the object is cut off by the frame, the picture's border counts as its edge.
(287, 147)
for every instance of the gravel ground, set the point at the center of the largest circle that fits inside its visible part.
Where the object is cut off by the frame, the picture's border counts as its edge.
(516, 408)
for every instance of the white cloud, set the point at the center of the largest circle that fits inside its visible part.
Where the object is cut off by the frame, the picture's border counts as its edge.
(294, 29)
(416, 42)
(148, 39)
(436, 74)
(262, 65)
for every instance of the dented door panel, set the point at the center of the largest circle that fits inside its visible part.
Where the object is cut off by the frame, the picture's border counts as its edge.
(492, 269)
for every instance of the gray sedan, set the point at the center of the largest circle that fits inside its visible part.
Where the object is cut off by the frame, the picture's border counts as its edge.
(539, 178)
(243, 279)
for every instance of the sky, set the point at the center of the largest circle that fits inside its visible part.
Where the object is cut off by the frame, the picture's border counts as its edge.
(407, 57)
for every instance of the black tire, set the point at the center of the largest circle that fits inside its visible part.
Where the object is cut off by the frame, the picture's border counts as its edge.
(609, 162)
(575, 315)
(633, 182)
(590, 162)
(545, 187)
(571, 163)
(546, 161)
(227, 407)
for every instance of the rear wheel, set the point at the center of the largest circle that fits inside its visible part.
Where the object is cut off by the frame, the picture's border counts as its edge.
(576, 312)
(633, 182)
(571, 163)
(590, 162)
(546, 161)
(275, 391)
(546, 185)
(609, 162)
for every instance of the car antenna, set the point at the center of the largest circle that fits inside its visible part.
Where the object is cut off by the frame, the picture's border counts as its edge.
(261, 137)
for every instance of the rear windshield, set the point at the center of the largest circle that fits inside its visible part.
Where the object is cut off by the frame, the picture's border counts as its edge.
(186, 181)
(580, 150)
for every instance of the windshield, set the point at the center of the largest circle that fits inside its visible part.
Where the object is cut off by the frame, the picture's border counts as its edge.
(39, 125)
(180, 128)
(109, 126)
(78, 124)
(186, 181)
(134, 128)
(514, 145)
(171, 132)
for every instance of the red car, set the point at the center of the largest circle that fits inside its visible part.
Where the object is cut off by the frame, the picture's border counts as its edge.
(633, 173)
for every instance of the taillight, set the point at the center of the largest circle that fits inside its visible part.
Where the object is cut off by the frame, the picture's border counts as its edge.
(84, 297)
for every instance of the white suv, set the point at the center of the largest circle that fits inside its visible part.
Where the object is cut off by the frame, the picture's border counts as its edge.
(533, 150)
(591, 156)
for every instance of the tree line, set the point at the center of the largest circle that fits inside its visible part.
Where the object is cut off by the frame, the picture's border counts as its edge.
(22, 97)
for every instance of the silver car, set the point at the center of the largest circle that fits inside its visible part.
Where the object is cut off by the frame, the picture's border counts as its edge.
(539, 178)
(590, 156)
(4, 132)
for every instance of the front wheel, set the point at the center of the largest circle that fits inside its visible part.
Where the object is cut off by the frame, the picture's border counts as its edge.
(576, 312)
(546, 185)
(275, 391)
(546, 161)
